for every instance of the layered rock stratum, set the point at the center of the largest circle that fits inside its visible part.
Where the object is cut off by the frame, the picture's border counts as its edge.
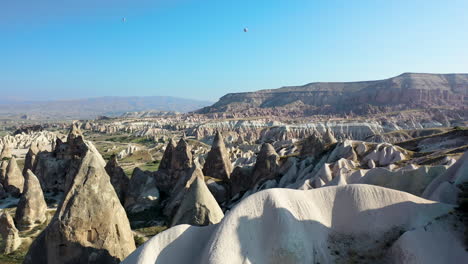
(408, 90)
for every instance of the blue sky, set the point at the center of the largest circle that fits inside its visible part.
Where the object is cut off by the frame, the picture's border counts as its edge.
(197, 49)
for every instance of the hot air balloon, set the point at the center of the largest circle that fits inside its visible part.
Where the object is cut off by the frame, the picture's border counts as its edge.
(246, 30)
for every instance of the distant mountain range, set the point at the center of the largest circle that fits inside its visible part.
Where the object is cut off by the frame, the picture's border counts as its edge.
(90, 108)
(406, 91)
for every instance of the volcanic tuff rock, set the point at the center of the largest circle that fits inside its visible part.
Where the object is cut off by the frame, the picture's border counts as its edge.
(32, 207)
(267, 164)
(445, 188)
(184, 180)
(6, 152)
(380, 230)
(182, 156)
(90, 225)
(24, 141)
(55, 169)
(166, 160)
(30, 160)
(14, 179)
(241, 179)
(3, 194)
(142, 192)
(316, 144)
(198, 206)
(217, 164)
(118, 177)
(406, 91)
(11, 239)
(3, 170)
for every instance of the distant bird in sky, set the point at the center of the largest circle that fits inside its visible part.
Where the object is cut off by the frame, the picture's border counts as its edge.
(124, 19)
(246, 29)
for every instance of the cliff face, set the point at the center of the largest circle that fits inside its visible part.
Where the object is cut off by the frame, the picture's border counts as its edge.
(406, 91)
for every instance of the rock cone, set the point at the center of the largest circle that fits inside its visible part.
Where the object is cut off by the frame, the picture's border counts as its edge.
(166, 160)
(30, 159)
(182, 158)
(198, 206)
(14, 179)
(142, 192)
(32, 207)
(267, 164)
(3, 170)
(6, 152)
(314, 145)
(90, 225)
(11, 239)
(217, 164)
(117, 176)
(185, 178)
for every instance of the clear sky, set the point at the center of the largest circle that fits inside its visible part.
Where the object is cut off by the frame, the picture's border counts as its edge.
(197, 49)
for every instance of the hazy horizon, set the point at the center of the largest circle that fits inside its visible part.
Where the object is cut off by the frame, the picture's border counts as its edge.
(87, 49)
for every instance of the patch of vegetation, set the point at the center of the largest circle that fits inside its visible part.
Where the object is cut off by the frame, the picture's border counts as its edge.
(15, 257)
(150, 166)
(138, 240)
(131, 139)
(146, 218)
(138, 156)
(151, 231)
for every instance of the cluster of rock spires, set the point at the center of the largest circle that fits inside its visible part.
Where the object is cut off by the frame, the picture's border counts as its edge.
(90, 224)
(176, 181)
(390, 224)
(31, 209)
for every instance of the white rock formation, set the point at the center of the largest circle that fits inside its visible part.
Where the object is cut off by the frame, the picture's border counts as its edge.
(90, 225)
(9, 233)
(444, 188)
(14, 180)
(361, 223)
(198, 206)
(32, 207)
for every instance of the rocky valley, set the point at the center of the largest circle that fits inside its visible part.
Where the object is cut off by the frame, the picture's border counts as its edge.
(362, 172)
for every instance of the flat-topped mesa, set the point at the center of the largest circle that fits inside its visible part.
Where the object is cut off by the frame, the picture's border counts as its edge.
(9, 233)
(119, 179)
(198, 206)
(166, 161)
(217, 164)
(267, 164)
(182, 156)
(406, 91)
(6, 152)
(14, 179)
(32, 207)
(90, 225)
